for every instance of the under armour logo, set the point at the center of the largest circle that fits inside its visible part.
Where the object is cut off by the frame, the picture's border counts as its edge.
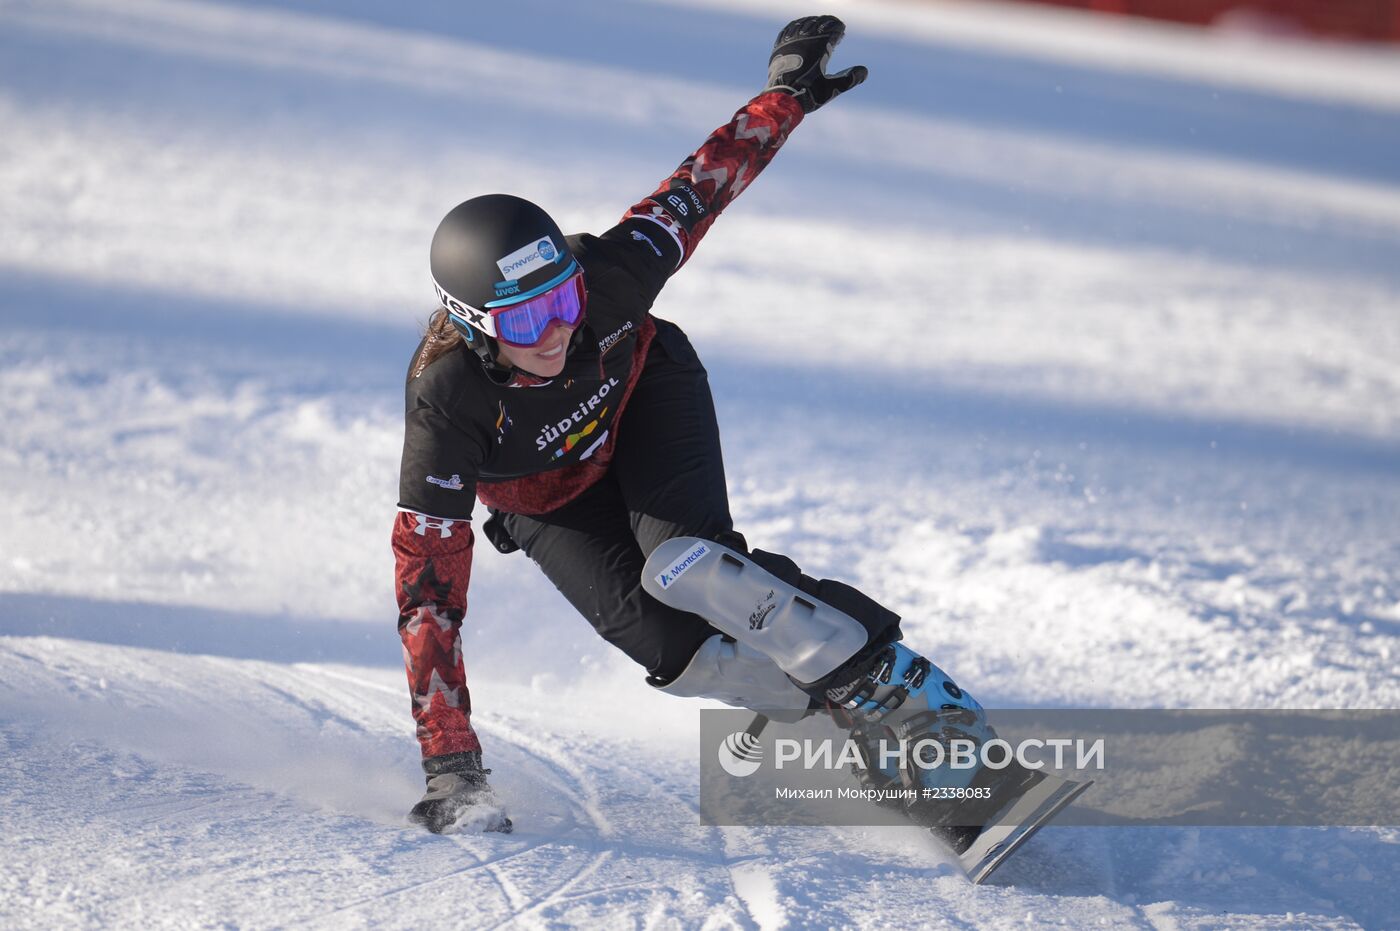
(443, 527)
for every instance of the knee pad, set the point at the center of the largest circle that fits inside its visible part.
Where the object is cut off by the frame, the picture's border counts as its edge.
(880, 623)
(779, 612)
(729, 671)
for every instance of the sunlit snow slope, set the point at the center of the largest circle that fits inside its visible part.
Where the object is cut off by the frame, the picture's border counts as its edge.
(1077, 344)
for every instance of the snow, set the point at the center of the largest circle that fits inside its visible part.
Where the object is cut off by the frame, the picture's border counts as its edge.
(1075, 342)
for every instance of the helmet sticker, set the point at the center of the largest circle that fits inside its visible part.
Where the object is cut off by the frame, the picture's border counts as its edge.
(528, 258)
(467, 314)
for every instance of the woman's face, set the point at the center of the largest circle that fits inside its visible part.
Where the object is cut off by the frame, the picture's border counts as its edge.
(545, 358)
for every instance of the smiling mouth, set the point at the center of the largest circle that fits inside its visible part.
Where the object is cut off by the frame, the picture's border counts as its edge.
(553, 353)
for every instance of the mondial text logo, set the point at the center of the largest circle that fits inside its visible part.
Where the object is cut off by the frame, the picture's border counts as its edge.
(685, 562)
(740, 754)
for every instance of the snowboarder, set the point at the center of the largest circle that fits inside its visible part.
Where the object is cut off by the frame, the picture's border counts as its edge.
(545, 388)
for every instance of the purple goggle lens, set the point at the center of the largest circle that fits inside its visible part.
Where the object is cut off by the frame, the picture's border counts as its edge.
(526, 323)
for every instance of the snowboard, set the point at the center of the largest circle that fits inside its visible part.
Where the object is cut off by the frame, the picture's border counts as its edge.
(1015, 823)
(980, 850)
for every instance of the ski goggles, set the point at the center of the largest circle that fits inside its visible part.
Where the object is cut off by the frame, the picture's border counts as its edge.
(522, 321)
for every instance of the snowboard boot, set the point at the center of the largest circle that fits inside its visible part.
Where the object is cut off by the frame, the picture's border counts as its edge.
(459, 796)
(895, 695)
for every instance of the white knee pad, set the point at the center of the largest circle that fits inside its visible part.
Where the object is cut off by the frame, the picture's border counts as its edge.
(740, 676)
(807, 638)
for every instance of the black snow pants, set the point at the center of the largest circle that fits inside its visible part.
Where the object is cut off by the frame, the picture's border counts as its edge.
(666, 479)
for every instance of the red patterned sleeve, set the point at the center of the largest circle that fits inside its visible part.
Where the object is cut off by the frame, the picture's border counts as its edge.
(433, 560)
(688, 201)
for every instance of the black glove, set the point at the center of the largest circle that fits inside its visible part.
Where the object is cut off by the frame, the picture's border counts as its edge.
(798, 63)
(456, 784)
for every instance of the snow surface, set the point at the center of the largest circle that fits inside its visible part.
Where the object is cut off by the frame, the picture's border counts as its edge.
(1113, 420)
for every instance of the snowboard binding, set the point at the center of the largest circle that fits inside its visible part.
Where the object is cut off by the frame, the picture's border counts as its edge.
(842, 648)
(895, 695)
(902, 696)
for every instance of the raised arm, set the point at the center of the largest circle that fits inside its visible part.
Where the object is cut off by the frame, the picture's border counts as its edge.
(682, 209)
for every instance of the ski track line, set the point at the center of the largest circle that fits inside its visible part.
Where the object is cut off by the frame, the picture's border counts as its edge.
(118, 809)
(595, 864)
(561, 765)
(720, 837)
(515, 898)
(552, 761)
(560, 762)
(393, 722)
(179, 811)
(753, 880)
(730, 864)
(573, 896)
(564, 765)
(316, 705)
(725, 839)
(482, 864)
(351, 680)
(553, 771)
(556, 765)
(723, 836)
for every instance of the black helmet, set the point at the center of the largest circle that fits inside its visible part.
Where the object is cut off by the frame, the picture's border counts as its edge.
(492, 251)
